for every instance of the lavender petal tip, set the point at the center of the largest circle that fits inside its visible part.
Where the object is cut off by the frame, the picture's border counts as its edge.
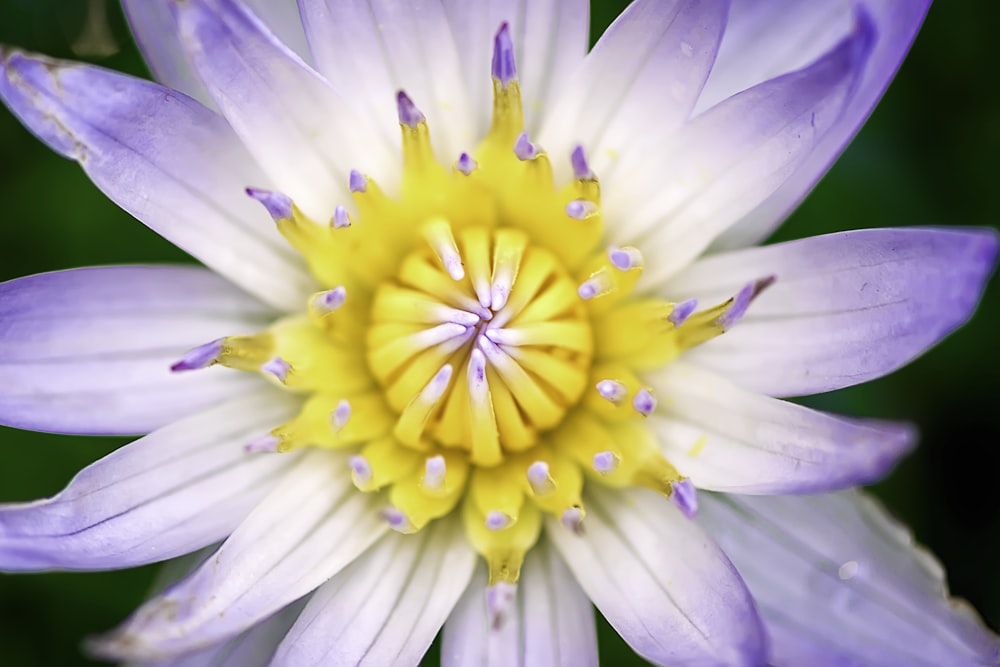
(202, 356)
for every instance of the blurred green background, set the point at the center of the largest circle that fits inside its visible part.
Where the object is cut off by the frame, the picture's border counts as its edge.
(927, 156)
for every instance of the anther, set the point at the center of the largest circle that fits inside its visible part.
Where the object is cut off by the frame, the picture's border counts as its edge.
(606, 462)
(503, 67)
(612, 390)
(357, 182)
(594, 286)
(330, 300)
(644, 402)
(279, 206)
(685, 497)
(496, 520)
(202, 356)
(434, 473)
(277, 367)
(466, 164)
(499, 598)
(539, 479)
(572, 518)
(626, 258)
(581, 170)
(340, 415)
(265, 443)
(581, 209)
(742, 300)
(409, 114)
(361, 470)
(524, 149)
(340, 218)
(397, 520)
(682, 311)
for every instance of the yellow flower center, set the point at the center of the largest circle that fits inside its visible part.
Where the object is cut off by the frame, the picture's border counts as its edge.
(474, 342)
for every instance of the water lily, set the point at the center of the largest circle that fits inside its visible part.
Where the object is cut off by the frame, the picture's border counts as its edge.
(479, 319)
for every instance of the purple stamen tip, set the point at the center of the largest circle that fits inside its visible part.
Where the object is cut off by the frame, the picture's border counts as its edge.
(265, 443)
(572, 518)
(277, 367)
(524, 149)
(202, 356)
(395, 518)
(496, 520)
(357, 182)
(499, 597)
(330, 300)
(466, 164)
(644, 402)
(738, 309)
(581, 170)
(360, 467)
(682, 311)
(581, 209)
(612, 390)
(605, 462)
(341, 218)
(279, 206)
(685, 497)
(409, 114)
(341, 414)
(504, 69)
(624, 259)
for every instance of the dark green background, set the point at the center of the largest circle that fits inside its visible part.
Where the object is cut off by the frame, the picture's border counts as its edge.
(928, 156)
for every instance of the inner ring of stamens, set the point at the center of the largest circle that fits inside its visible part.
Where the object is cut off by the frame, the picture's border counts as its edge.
(480, 342)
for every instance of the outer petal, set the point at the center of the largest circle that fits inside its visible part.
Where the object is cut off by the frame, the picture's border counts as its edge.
(640, 82)
(155, 31)
(663, 584)
(386, 607)
(147, 501)
(372, 48)
(551, 622)
(164, 158)
(307, 529)
(299, 129)
(89, 350)
(764, 39)
(838, 582)
(728, 439)
(550, 40)
(846, 308)
(728, 159)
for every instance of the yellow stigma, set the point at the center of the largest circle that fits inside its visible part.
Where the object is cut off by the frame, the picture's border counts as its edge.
(472, 341)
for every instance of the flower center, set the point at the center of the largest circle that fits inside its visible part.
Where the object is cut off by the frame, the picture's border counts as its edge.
(480, 342)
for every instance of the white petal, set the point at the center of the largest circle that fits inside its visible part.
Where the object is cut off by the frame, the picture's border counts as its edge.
(182, 487)
(307, 529)
(726, 438)
(660, 581)
(369, 49)
(386, 607)
(846, 308)
(89, 350)
(551, 622)
(839, 582)
(299, 129)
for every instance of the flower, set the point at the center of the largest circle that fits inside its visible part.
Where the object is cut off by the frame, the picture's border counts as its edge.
(499, 350)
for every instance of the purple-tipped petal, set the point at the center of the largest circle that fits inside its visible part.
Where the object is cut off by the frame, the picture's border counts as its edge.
(667, 589)
(165, 159)
(466, 164)
(357, 182)
(726, 438)
(387, 606)
(682, 311)
(729, 158)
(550, 621)
(298, 128)
(147, 501)
(503, 67)
(277, 205)
(581, 168)
(311, 525)
(199, 357)
(839, 582)
(846, 308)
(90, 350)
(767, 37)
(524, 149)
